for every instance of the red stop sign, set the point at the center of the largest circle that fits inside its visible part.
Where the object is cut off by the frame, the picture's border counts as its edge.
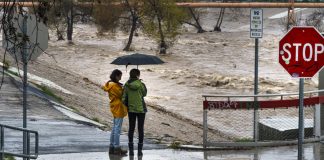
(301, 51)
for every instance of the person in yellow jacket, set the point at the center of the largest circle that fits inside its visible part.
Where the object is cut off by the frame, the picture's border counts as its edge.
(118, 110)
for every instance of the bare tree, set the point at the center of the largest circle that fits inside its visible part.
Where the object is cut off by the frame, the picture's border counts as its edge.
(195, 14)
(69, 19)
(161, 19)
(134, 19)
(235, 12)
(219, 20)
(64, 13)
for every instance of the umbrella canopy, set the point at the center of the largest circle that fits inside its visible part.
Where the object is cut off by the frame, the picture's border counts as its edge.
(137, 59)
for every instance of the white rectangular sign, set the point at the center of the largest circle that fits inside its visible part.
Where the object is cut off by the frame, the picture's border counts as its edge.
(256, 23)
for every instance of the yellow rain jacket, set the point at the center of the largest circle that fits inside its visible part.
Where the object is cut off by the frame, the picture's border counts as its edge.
(115, 91)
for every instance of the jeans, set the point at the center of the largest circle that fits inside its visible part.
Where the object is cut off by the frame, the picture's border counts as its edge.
(140, 124)
(115, 133)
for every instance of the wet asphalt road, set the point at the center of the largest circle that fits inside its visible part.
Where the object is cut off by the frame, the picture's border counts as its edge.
(313, 151)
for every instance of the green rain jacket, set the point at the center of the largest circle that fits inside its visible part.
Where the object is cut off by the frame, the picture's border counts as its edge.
(133, 96)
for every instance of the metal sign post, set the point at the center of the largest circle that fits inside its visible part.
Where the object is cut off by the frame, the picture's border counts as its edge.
(256, 30)
(301, 119)
(256, 83)
(25, 62)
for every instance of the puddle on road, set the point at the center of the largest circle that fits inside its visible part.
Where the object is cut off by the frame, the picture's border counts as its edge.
(311, 152)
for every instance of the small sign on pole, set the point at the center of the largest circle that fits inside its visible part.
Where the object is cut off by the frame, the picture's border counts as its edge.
(256, 23)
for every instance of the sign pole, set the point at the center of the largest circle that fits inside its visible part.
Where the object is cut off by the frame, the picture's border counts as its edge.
(256, 32)
(256, 77)
(301, 119)
(24, 55)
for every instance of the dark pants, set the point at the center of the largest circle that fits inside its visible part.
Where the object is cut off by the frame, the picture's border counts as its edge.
(140, 126)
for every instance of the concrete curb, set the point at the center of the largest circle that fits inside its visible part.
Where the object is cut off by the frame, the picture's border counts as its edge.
(201, 148)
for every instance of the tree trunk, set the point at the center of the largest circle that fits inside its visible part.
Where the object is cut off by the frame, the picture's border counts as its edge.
(198, 26)
(59, 36)
(70, 25)
(163, 45)
(131, 34)
(220, 20)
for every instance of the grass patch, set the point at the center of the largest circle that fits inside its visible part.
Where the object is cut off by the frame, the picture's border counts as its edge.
(96, 119)
(159, 140)
(49, 92)
(244, 140)
(13, 73)
(8, 157)
(175, 145)
(75, 109)
(6, 64)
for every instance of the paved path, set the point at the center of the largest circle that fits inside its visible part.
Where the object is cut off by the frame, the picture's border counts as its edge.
(57, 132)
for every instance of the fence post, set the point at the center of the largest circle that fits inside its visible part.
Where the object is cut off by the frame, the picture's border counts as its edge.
(256, 120)
(2, 142)
(320, 87)
(28, 144)
(317, 121)
(301, 119)
(205, 130)
(36, 143)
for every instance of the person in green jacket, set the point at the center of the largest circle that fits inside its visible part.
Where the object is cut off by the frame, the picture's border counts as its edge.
(133, 97)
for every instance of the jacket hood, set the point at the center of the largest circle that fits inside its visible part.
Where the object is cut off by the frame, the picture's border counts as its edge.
(133, 84)
(111, 84)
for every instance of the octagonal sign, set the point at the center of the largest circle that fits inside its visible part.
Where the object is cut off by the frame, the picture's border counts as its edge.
(36, 39)
(301, 52)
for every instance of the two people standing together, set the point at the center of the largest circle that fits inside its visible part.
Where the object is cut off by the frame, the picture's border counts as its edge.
(127, 99)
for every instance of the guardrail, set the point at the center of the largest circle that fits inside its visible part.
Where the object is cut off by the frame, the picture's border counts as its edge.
(233, 118)
(26, 133)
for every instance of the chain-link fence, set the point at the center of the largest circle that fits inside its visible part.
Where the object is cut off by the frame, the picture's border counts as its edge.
(273, 118)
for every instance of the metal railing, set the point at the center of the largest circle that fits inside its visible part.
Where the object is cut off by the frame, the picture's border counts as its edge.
(234, 118)
(26, 132)
(264, 95)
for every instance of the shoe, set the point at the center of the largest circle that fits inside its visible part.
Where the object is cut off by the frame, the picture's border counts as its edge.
(131, 149)
(140, 148)
(120, 151)
(111, 150)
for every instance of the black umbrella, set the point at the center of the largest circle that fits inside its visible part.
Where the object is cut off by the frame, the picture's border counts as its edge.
(137, 59)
